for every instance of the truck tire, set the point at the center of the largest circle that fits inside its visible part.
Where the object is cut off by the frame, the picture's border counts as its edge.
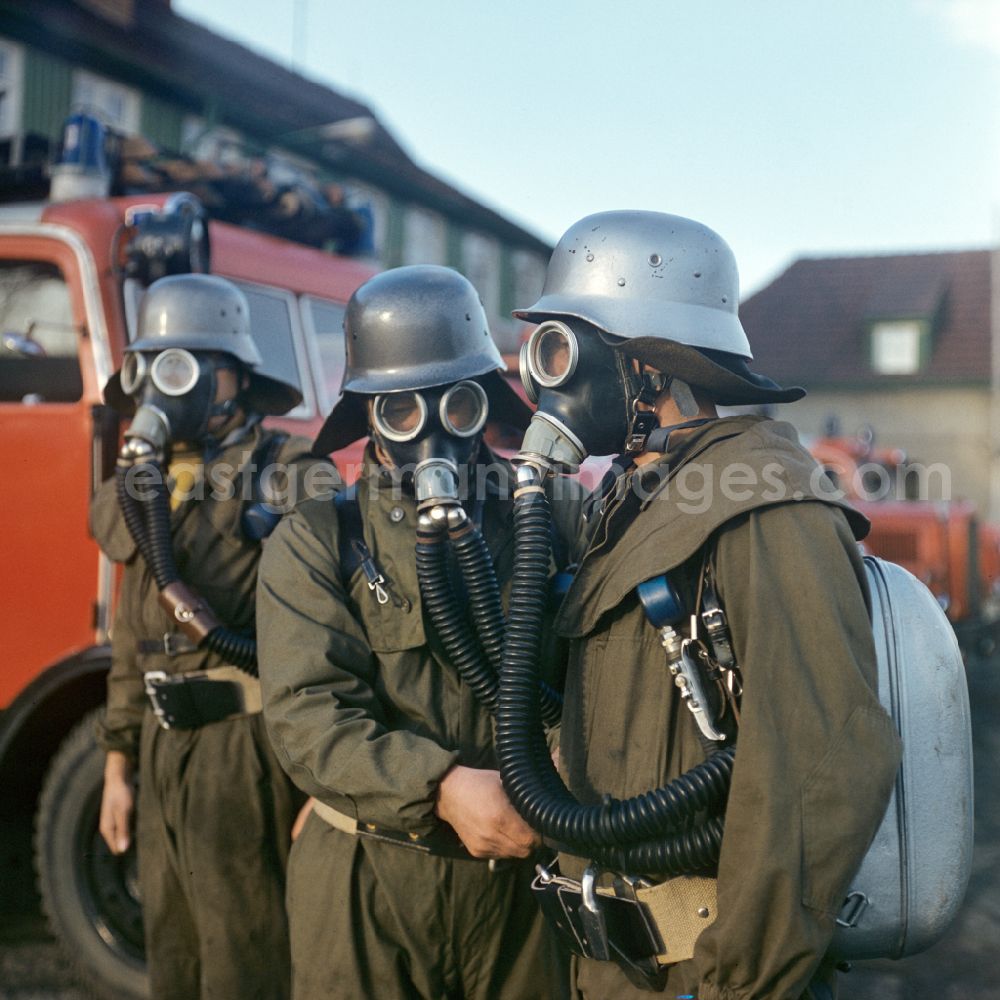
(89, 895)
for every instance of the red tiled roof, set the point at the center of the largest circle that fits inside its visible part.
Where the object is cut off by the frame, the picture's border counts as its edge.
(811, 324)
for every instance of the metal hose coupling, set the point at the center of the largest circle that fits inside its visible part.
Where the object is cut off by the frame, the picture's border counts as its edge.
(550, 445)
(151, 426)
(435, 482)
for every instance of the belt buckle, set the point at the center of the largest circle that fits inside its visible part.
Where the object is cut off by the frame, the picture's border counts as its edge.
(557, 898)
(151, 679)
(171, 642)
(595, 926)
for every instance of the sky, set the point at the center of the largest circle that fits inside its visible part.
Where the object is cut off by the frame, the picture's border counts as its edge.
(792, 127)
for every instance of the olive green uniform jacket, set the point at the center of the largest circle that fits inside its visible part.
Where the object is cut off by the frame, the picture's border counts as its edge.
(367, 714)
(215, 809)
(816, 754)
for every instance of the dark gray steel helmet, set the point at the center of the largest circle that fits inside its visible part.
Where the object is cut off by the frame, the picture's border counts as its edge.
(203, 312)
(669, 288)
(415, 327)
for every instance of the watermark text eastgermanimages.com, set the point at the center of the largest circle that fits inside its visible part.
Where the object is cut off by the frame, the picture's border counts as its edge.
(694, 486)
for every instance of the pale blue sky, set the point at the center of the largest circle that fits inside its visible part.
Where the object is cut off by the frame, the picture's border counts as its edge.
(793, 127)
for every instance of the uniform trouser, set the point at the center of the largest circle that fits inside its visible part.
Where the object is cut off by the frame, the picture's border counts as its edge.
(214, 820)
(605, 981)
(373, 920)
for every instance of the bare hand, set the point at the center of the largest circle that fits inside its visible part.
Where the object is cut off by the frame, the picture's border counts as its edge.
(117, 803)
(474, 803)
(300, 820)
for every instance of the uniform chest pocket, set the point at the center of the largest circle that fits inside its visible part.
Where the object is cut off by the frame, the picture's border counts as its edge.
(627, 709)
(393, 626)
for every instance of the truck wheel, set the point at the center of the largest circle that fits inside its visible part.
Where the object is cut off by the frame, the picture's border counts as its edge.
(89, 895)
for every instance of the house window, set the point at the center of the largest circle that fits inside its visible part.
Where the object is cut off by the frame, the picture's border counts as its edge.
(423, 238)
(38, 352)
(529, 276)
(896, 347)
(327, 322)
(115, 104)
(481, 264)
(11, 76)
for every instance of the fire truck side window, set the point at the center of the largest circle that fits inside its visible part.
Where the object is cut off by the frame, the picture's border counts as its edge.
(38, 350)
(271, 325)
(328, 326)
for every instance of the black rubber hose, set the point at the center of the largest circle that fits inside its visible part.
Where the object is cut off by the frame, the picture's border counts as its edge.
(239, 650)
(480, 580)
(156, 507)
(147, 517)
(456, 636)
(132, 510)
(476, 565)
(669, 830)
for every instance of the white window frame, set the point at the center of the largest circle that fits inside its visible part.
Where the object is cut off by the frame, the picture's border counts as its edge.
(324, 401)
(93, 93)
(306, 410)
(12, 89)
(896, 346)
(425, 238)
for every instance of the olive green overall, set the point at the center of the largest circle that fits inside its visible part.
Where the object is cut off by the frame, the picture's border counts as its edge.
(214, 808)
(367, 715)
(816, 754)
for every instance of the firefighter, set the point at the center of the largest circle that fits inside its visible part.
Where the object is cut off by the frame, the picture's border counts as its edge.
(198, 486)
(411, 877)
(720, 717)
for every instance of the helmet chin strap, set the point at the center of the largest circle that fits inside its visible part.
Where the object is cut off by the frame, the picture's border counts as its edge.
(645, 388)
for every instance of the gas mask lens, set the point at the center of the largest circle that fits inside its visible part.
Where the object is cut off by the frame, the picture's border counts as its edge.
(134, 369)
(174, 372)
(549, 358)
(464, 408)
(400, 416)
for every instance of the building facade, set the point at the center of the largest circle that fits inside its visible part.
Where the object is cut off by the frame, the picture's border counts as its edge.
(905, 345)
(145, 71)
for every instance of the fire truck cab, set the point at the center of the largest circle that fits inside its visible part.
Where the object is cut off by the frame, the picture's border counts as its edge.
(71, 276)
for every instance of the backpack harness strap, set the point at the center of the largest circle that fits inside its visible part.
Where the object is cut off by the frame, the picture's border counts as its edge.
(354, 553)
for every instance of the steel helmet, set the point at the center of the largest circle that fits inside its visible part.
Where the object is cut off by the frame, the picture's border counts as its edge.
(669, 288)
(646, 274)
(415, 327)
(203, 312)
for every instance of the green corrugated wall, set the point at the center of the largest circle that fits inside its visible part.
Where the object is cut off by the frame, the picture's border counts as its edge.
(508, 281)
(453, 245)
(160, 122)
(392, 252)
(48, 90)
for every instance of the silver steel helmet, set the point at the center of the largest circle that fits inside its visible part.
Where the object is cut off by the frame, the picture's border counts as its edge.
(203, 312)
(415, 327)
(646, 274)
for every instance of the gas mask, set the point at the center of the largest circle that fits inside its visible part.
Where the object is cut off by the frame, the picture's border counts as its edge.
(588, 396)
(174, 391)
(430, 435)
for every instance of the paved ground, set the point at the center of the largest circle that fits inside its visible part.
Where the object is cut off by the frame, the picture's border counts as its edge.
(963, 966)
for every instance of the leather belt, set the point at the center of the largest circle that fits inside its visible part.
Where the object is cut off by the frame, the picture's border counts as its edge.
(443, 841)
(171, 644)
(200, 697)
(642, 927)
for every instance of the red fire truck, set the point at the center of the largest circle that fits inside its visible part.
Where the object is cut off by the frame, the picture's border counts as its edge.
(943, 543)
(70, 278)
